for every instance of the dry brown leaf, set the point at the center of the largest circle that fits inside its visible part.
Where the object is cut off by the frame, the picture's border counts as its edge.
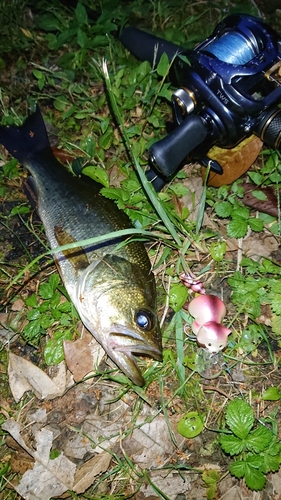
(268, 206)
(86, 473)
(82, 356)
(25, 376)
(48, 478)
(21, 461)
(259, 245)
(150, 444)
(171, 484)
(141, 496)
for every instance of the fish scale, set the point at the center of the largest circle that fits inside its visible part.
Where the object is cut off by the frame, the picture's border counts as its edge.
(112, 287)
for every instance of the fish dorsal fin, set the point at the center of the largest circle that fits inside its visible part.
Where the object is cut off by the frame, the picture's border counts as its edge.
(76, 256)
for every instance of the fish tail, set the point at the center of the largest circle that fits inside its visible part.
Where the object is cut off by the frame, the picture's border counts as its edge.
(25, 141)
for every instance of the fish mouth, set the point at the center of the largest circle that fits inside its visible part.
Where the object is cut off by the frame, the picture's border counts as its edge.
(124, 345)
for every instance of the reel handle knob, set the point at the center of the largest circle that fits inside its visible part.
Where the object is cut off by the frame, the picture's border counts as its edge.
(167, 154)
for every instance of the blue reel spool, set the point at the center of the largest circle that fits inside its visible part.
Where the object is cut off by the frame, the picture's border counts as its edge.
(233, 48)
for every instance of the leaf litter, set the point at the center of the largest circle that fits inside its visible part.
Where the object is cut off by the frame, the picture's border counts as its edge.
(88, 430)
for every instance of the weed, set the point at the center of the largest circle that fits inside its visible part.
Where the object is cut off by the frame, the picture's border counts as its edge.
(256, 446)
(48, 312)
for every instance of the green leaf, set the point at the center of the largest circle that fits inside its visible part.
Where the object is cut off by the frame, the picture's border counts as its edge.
(256, 177)
(259, 439)
(54, 454)
(255, 224)
(271, 394)
(177, 296)
(239, 417)
(254, 479)
(20, 210)
(184, 59)
(276, 324)
(217, 250)
(33, 314)
(276, 303)
(237, 228)
(223, 209)
(65, 307)
(276, 286)
(46, 290)
(46, 321)
(48, 22)
(31, 330)
(231, 444)
(260, 195)
(89, 146)
(81, 14)
(143, 70)
(98, 174)
(271, 463)
(54, 281)
(179, 189)
(238, 468)
(267, 266)
(163, 65)
(53, 352)
(105, 140)
(240, 212)
(32, 301)
(255, 461)
(60, 103)
(82, 38)
(210, 477)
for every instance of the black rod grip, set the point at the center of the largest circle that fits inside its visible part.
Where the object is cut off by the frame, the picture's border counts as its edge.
(144, 45)
(167, 154)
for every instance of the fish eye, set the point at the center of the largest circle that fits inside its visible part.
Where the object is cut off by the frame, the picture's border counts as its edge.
(144, 319)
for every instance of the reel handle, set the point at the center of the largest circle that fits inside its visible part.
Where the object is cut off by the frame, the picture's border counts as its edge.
(167, 154)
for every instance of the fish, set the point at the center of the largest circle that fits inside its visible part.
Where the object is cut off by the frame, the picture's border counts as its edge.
(111, 285)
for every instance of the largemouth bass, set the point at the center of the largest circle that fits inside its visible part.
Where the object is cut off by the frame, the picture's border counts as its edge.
(113, 289)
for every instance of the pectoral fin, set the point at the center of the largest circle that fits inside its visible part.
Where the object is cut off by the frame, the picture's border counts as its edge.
(76, 256)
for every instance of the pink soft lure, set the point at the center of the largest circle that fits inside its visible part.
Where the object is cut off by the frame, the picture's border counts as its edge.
(208, 312)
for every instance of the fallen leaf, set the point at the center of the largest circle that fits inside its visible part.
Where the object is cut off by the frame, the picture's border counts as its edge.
(268, 206)
(25, 376)
(48, 478)
(82, 356)
(262, 245)
(86, 473)
(171, 485)
(14, 429)
(235, 161)
(18, 305)
(141, 496)
(21, 462)
(150, 443)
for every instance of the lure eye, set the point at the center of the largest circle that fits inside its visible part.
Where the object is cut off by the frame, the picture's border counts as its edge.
(144, 320)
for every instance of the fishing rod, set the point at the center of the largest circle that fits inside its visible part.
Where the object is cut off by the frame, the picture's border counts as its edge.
(228, 88)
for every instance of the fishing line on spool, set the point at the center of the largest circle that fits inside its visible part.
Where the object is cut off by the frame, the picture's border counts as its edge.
(234, 48)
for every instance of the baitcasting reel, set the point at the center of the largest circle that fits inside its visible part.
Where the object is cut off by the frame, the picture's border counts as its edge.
(229, 87)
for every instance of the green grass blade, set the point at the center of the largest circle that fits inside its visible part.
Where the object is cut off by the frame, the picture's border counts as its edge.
(150, 191)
